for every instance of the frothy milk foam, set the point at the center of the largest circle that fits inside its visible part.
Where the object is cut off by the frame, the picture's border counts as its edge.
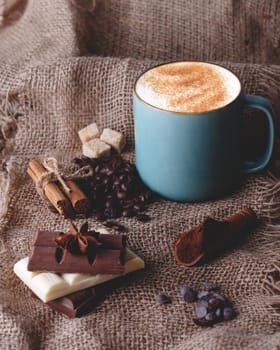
(188, 87)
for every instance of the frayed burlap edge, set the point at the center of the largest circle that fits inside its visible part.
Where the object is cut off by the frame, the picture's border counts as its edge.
(270, 194)
(10, 111)
(10, 11)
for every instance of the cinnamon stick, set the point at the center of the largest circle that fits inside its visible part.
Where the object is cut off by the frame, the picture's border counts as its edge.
(51, 190)
(78, 199)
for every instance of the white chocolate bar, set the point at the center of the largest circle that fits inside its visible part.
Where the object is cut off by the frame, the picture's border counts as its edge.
(49, 286)
(114, 138)
(96, 148)
(89, 132)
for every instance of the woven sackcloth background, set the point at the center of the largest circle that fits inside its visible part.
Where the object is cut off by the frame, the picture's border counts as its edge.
(56, 76)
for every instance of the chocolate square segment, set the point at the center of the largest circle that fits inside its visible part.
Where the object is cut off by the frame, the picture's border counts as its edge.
(80, 303)
(75, 304)
(47, 255)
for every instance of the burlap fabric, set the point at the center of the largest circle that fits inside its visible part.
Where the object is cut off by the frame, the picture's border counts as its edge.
(236, 31)
(47, 94)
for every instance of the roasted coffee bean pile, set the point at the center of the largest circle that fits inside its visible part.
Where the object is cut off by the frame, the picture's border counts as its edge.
(211, 307)
(115, 188)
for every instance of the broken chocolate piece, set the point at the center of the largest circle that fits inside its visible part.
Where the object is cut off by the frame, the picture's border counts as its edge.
(75, 304)
(80, 303)
(47, 255)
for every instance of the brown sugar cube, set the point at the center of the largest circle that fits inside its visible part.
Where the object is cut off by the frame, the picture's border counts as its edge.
(96, 149)
(114, 138)
(89, 132)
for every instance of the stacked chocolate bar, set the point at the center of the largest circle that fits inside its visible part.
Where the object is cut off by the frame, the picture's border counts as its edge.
(68, 271)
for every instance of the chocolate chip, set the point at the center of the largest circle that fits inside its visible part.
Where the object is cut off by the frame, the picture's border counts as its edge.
(163, 299)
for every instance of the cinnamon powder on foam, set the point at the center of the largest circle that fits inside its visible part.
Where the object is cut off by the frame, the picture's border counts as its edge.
(190, 87)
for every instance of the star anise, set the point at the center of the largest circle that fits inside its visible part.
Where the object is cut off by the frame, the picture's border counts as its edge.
(77, 241)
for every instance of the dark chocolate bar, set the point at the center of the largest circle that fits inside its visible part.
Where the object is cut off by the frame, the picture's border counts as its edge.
(76, 304)
(80, 303)
(47, 255)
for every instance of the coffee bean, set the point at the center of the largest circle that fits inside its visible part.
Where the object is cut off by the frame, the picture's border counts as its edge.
(110, 213)
(136, 207)
(116, 226)
(116, 181)
(97, 169)
(105, 181)
(115, 187)
(78, 162)
(141, 198)
(110, 172)
(124, 187)
(109, 203)
(143, 217)
(127, 213)
(124, 178)
(99, 216)
(121, 194)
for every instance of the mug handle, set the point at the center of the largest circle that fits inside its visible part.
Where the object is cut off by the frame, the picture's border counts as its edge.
(264, 105)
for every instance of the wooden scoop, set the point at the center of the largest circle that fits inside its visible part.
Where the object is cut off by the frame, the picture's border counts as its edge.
(212, 237)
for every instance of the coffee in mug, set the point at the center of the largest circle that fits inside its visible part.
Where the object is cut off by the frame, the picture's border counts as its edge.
(187, 118)
(188, 87)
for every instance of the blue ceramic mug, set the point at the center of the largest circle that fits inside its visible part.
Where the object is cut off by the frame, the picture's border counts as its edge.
(195, 156)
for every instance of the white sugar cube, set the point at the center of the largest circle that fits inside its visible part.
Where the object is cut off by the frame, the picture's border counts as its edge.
(114, 138)
(96, 149)
(89, 132)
